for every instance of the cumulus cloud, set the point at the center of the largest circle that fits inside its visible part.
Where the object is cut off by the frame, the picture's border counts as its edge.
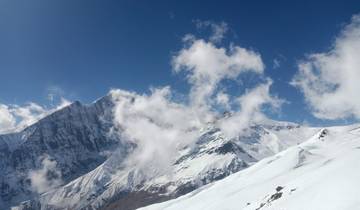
(207, 65)
(159, 125)
(330, 80)
(14, 117)
(46, 177)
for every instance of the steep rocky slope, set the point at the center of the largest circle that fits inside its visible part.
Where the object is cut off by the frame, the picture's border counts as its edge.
(76, 138)
(116, 185)
(85, 164)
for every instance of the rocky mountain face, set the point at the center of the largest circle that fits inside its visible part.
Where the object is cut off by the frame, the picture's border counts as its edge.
(75, 138)
(93, 168)
(116, 185)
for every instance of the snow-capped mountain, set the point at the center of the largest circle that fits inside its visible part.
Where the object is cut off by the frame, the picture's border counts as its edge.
(116, 185)
(75, 138)
(319, 174)
(93, 168)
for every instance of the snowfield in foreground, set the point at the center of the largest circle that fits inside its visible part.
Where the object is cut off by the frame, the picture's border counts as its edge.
(320, 174)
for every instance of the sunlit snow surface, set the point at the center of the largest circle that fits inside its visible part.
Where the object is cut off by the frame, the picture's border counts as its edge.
(322, 173)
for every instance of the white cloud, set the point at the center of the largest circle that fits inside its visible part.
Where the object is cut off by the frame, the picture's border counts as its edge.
(63, 103)
(223, 99)
(28, 114)
(14, 118)
(207, 65)
(159, 125)
(330, 80)
(7, 120)
(46, 177)
(250, 110)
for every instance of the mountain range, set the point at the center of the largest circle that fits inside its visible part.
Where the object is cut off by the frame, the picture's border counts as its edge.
(75, 158)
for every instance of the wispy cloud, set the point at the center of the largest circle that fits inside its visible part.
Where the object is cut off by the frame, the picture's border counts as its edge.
(46, 177)
(218, 30)
(277, 62)
(250, 111)
(159, 125)
(54, 92)
(330, 80)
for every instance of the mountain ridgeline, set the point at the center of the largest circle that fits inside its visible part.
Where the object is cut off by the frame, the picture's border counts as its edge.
(75, 137)
(90, 161)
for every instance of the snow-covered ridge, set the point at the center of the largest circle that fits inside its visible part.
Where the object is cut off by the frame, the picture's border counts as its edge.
(115, 185)
(319, 174)
(93, 167)
(75, 138)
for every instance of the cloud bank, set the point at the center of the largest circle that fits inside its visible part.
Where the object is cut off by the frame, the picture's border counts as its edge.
(160, 125)
(330, 80)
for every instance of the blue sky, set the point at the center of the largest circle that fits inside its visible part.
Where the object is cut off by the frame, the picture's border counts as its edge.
(81, 49)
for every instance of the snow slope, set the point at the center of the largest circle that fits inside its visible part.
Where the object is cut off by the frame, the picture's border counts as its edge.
(320, 174)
